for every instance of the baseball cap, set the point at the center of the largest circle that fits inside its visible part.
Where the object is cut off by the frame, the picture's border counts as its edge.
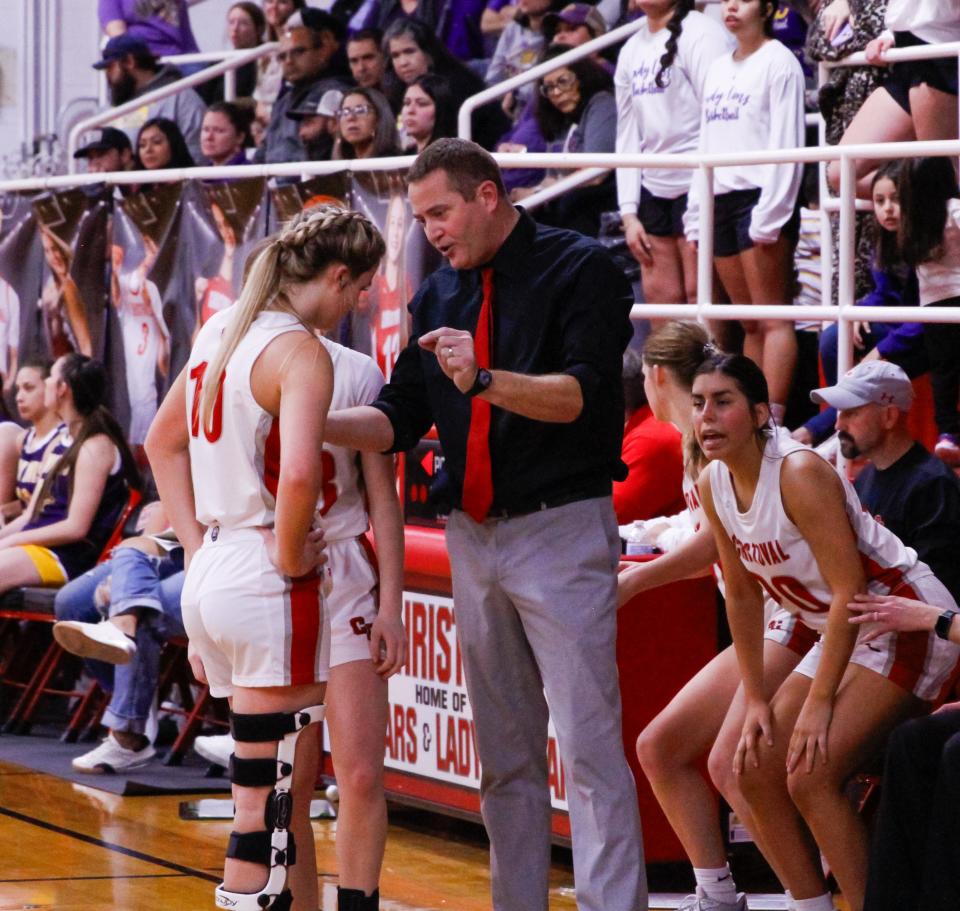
(119, 46)
(318, 103)
(879, 382)
(102, 139)
(576, 14)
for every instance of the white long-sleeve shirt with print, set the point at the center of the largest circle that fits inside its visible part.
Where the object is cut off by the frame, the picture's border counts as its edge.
(933, 21)
(663, 120)
(749, 105)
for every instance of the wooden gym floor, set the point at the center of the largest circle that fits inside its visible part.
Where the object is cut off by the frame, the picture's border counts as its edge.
(69, 847)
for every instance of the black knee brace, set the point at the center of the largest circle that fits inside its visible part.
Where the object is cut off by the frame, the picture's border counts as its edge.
(273, 846)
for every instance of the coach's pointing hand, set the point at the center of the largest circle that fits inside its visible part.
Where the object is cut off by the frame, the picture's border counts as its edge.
(454, 351)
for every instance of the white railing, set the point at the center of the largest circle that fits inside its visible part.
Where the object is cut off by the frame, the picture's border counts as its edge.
(233, 62)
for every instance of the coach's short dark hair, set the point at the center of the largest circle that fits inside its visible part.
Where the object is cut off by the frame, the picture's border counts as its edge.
(466, 164)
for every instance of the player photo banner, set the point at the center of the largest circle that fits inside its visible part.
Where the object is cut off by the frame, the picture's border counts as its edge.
(223, 221)
(73, 227)
(21, 278)
(150, 277)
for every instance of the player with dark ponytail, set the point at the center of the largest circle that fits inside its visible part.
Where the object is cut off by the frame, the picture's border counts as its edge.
(659, 88)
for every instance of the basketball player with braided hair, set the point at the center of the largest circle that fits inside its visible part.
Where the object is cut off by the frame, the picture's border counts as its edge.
(659, 89)
(236, 453)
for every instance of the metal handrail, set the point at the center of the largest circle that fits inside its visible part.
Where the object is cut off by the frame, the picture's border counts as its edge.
(464, 127)
(108, 116)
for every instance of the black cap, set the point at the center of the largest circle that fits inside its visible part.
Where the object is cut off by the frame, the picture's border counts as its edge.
(102, 139)
(119, 46)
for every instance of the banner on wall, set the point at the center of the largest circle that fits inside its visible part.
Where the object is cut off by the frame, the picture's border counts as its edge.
(73, 227)
(21, 276)
(430, 729)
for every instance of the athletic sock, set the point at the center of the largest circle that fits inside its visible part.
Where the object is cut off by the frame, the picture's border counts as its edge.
(789, 900)
(717, 883)
(820, 903)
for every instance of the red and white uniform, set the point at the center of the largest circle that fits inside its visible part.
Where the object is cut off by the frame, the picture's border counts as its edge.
(251, 625)
(387, 330)
(775, 553)
(140, 311)
(352, 602)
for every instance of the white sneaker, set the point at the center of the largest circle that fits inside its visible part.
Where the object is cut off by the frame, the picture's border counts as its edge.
(103, 641)
(216, 749)
(111, 757)
(701, 902)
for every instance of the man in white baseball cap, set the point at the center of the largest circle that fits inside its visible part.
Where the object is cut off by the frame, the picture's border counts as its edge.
(905, 487)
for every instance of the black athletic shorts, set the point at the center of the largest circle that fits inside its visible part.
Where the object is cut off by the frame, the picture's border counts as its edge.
(939, 74)
(660, 216)
(731, 222)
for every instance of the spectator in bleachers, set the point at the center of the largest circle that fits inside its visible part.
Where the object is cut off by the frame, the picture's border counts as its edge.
(576, 112)
(930, 243)
(162, 25)
(651, 451)
(366, 58)
(575, 24)
(497, 15)
(753, 98)
(368, 128)
(44, 427)
(106, 149)
(87, 479)
(160, 144)
(317, 122)
(428, 111)
(919, 99)
(121, 613)
(132, 70)
(659, 81)
(519, 48)
(225, 134)
(894, 285)
(309, 52)
(459, 30)
(424, 11)
(246, 26)
(270, 76)
(833, 35)
(412, 50)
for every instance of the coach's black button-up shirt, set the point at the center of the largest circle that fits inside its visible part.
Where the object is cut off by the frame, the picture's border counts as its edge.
(560, 305)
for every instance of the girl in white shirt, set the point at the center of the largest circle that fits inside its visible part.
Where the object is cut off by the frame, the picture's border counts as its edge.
(753, 100)
(919, 100)
(930, 243)
(659, 89)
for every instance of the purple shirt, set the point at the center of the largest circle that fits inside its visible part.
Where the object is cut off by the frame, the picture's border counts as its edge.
(165, 27)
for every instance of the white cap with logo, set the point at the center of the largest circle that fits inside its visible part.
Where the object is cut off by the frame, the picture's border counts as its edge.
(878, 382)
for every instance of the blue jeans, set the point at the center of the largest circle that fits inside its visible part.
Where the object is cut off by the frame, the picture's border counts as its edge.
(151, 585)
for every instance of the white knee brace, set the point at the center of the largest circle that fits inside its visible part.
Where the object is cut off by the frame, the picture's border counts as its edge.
(273, 846)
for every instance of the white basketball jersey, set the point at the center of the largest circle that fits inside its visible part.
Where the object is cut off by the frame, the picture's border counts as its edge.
(356, 381)
(774, 552)
(235, 460)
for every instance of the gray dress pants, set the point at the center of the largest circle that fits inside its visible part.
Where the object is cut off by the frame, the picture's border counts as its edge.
(535, 601)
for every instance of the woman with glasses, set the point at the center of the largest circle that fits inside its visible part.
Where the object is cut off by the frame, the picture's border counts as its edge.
(576, 112)
(367, 126)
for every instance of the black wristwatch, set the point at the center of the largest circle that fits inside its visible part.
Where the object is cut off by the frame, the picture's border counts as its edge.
(942, 627)
(481, 382)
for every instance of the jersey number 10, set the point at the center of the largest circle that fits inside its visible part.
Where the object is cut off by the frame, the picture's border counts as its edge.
(212, 433)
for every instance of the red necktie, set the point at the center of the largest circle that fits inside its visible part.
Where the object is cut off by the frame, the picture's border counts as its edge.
(478, 475)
